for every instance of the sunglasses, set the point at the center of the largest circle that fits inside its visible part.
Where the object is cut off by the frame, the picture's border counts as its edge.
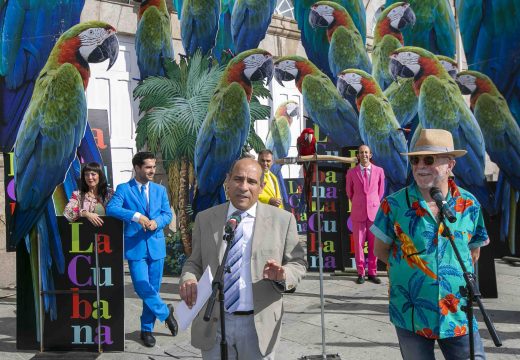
(428, 160)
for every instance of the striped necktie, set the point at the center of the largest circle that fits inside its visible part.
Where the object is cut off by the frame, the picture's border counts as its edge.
(234, 262)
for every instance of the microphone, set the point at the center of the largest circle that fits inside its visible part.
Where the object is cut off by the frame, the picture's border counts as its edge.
(445, 210)
(232, 224)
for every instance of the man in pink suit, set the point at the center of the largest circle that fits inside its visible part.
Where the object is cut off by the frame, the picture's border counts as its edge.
(365, 188)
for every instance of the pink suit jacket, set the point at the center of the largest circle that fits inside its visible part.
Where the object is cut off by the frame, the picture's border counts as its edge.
(365, 203)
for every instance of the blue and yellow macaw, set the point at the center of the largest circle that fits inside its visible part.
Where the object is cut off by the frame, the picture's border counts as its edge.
(378, 126)
(249, 22)
(199, 25)
(434, 28)
(226, 126)
(279, 138)
(325, 106)
(346, 46)
(489, 31)
(224, 39)
(49, 136)
(315, 41)
(501, 135)
(442, 106)
(153, 38)
(28, 31)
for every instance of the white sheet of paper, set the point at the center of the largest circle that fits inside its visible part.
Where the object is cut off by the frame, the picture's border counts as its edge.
(184, 314)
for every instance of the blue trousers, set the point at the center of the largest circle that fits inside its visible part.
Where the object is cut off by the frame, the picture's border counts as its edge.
(417, 347)
(146, 276)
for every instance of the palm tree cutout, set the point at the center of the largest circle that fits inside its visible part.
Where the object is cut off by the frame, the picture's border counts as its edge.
(174, 108)
(416, 304)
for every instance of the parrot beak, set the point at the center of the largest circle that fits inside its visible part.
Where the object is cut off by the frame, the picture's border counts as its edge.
(316, 20)
(408, 18)
(265, 71)
(346, 90)
(294, 112)
(109, 49)
(281, 75)
(463, 88)
(399, 70)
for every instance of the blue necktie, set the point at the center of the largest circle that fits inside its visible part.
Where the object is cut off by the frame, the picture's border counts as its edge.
(143, 195)
(234, 262)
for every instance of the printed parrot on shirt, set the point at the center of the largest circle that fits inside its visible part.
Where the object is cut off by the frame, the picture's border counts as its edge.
(226, 126)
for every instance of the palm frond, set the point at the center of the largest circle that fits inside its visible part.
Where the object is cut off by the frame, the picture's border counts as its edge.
(260, 91)
(259, 111)
(254, 141)
(155, 92)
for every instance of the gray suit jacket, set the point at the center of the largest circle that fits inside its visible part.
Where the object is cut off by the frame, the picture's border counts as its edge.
(274, 237)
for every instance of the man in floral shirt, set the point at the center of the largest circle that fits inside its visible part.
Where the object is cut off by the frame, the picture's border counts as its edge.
(425, 276)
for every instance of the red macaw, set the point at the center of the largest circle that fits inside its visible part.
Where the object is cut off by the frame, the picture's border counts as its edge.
(306, 145)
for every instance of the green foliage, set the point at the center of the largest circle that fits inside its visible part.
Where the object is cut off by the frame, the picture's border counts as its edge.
(175, 257)
(175, 106)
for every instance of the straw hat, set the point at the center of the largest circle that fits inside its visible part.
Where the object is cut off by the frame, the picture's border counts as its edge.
(435, 142)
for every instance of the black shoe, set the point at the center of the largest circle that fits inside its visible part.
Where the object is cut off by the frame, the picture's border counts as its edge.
(170, 321)
(374, 279)
(360, 279)
(148, 339)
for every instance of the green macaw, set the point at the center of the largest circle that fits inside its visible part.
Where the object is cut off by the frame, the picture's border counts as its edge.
(387, 38)
(347, 49)
(199, 25)
(49, 136)
(502, 136)
(226, 126)
(153, 38)
(442, 106)
(325, 106)
(378, 126)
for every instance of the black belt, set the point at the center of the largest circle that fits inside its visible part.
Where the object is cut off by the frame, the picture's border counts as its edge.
(241, 313)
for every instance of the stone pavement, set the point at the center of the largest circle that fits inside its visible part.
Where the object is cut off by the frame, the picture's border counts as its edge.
(357, 324)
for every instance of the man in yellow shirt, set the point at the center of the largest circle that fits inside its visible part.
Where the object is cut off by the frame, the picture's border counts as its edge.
(271, 193)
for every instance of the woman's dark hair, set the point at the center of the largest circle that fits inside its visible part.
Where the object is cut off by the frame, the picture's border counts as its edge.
(102, 186)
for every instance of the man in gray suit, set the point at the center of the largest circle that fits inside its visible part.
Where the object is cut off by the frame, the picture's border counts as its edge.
(265, 259)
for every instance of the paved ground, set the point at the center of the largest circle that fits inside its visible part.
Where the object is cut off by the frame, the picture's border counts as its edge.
(357, 325)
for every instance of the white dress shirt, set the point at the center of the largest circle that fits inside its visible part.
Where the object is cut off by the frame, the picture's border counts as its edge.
(137, 214)
(245, 301)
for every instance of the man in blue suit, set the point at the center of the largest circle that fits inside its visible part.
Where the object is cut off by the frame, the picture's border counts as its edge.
(144, 208)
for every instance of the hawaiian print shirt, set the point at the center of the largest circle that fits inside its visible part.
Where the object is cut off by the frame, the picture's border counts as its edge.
(425, 276)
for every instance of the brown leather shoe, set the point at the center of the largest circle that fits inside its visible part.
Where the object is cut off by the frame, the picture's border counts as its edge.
(374, 279)
(148, 338)
(170, 321)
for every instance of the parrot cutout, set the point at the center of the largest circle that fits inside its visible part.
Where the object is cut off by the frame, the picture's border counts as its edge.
(501, 135)
(306, 145)
(224, 39)
(249, 22)
(199, 25)
(489, 31)
(333, 114)
(226, 126)
(346, 46)
(442, 106)
(315, 41)
(46, 144)
(434, 28)
(378, 126)
(28, 32)
(387, 38)
(153, 38)
(279, 138)
(449, 64)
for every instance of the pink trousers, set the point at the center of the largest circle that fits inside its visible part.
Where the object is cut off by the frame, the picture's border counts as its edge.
(360, 232)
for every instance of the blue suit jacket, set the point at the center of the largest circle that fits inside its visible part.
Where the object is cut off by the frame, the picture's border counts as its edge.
(123, 205)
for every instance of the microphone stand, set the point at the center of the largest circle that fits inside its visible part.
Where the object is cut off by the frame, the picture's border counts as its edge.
(471, 292)
(218, 287)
